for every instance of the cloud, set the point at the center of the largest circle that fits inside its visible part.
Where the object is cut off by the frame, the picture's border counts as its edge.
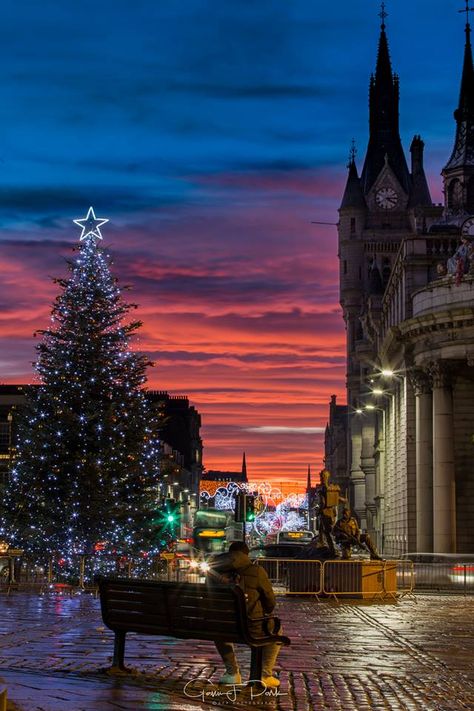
(271, 429)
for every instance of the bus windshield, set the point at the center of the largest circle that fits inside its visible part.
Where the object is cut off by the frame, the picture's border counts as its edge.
(209, 532)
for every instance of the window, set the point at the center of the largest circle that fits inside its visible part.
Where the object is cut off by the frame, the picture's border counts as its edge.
(353, 225)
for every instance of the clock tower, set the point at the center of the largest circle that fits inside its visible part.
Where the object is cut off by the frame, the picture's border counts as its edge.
(387, 203)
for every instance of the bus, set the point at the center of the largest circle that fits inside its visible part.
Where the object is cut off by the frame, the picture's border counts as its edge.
(209, 531)
(295, 537)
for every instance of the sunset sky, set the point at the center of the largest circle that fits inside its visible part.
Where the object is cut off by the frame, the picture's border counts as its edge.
(211, 134)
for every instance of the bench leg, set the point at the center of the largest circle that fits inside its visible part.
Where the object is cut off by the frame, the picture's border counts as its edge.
(256, 664)
(119, 650)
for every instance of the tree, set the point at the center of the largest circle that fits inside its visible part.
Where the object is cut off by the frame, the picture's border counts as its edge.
(87, 469)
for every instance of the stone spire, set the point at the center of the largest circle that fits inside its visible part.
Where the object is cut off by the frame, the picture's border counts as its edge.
(463, 151)
(384, 137)
(353, 196)
(420, 195)
(244, 468)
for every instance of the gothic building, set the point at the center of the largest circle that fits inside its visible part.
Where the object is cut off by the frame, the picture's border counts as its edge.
(407, 305)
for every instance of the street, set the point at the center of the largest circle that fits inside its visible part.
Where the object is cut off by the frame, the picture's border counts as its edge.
(350, 656)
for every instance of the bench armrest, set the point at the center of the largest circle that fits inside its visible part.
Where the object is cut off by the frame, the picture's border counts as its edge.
(276, 626)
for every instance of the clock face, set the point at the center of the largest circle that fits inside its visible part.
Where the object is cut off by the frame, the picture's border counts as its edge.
(468, 227)
(386, 198)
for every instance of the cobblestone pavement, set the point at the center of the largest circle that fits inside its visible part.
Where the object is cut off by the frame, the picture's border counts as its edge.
(349, 656)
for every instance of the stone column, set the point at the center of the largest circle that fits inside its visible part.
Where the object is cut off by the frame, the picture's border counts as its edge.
(367, 464)
(357, 475)
(444, 491)
(424, 460)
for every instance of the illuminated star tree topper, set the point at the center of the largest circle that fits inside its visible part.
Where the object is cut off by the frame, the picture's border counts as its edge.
(90, 225)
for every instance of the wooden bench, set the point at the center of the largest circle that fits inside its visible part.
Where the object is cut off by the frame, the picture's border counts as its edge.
(182, 610)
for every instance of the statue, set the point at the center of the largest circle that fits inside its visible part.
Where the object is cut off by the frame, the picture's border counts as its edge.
(348, 533)
(459, 263)
(329, 499)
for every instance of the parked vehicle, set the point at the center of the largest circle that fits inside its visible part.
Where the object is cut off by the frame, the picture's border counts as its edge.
(278, 550)
(295, 536)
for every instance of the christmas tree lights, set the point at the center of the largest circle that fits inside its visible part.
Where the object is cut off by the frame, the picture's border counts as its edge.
(86, 477)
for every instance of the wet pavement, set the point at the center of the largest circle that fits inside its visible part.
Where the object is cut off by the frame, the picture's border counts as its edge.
(417, 654)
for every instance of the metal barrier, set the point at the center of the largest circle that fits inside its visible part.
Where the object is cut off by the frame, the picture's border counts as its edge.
(367, 579)
(295, 576)
(353, 578)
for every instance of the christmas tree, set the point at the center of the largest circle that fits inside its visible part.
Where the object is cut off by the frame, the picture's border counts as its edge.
(86, 476)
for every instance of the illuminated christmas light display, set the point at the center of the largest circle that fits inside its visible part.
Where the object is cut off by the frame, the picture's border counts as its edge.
(86, 477)
(274, 511)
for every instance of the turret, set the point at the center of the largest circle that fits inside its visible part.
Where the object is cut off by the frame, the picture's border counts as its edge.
(420, 194)
(458, 172)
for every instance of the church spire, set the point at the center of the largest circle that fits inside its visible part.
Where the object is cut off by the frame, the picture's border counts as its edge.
(244, 468)
(384, 138)
(463, 150)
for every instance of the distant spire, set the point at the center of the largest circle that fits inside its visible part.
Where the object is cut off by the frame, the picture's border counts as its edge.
(244, 468)
(308, 482)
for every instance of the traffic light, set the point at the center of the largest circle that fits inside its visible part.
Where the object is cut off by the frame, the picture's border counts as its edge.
(239, 509)
(245, 508)
(171, 512)
(250, 508)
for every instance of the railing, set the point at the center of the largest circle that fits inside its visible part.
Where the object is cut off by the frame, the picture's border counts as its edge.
(335, 578)
(338, 578)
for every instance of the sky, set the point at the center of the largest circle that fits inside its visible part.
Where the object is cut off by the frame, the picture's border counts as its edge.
(213, 135)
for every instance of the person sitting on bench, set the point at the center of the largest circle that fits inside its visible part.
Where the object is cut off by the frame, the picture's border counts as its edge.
(348, 533)
(237, 567)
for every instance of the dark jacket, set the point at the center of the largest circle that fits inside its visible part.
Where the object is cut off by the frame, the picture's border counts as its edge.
(253, 579)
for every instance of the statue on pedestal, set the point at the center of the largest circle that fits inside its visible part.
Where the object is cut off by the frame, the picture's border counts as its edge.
(348, 534)
(329, 499)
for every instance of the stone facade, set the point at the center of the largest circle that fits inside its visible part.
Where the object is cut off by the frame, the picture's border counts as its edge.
(408, 307)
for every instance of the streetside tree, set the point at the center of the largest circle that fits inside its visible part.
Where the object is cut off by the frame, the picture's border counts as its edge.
(87, 466)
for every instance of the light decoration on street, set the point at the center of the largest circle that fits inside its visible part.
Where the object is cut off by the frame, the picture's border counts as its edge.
(274, 511)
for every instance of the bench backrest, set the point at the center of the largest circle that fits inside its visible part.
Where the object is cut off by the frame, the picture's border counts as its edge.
(183, 610)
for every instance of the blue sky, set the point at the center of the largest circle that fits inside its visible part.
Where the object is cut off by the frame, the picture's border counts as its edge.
(211, 134)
